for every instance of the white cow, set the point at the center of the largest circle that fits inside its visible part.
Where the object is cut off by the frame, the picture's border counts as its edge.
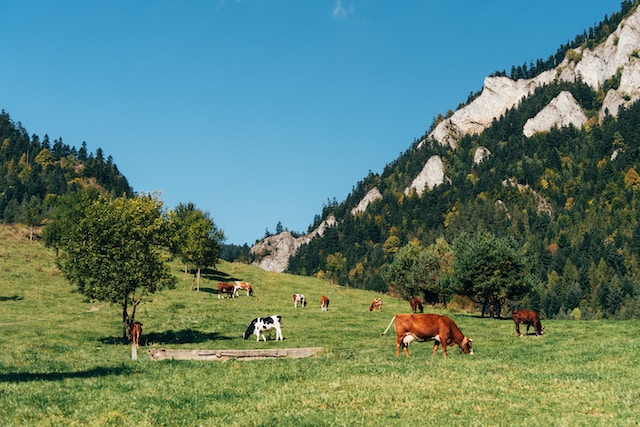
(261, 324)
(299, 298)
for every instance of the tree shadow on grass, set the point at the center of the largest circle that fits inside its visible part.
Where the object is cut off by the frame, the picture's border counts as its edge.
(58, 376)
(184, 336)
(215, 275)
(11, 298)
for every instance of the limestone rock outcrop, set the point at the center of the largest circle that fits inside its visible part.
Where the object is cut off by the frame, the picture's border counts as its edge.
(432, 174)
(563, 110)
(371, 196)
(273, 252)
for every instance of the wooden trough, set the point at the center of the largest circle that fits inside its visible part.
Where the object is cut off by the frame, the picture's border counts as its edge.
(221, 355)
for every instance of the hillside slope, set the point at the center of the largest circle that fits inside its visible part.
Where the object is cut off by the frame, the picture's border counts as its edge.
(542, 159)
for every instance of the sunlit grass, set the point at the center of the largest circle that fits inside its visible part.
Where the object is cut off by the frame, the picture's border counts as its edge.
(61, 361)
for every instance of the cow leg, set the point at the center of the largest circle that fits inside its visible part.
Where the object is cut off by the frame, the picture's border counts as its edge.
(405, 347)
(435, 348)
(518, 329)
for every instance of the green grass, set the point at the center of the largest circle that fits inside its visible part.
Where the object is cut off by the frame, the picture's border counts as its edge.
(62, 364)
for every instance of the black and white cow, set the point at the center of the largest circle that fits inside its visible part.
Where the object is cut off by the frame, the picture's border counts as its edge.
(261, 324)
(299, 298)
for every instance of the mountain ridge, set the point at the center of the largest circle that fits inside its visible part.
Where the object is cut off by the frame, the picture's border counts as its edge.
(615, 59)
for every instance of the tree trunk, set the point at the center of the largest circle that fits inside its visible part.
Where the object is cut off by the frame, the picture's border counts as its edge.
(125, 321)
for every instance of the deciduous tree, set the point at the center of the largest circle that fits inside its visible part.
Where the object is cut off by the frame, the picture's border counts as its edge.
(114, 249)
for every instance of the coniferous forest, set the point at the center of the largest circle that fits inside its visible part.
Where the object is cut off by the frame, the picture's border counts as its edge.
(34, 172)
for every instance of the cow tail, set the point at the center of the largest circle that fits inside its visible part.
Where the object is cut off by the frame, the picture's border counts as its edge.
(390, 323)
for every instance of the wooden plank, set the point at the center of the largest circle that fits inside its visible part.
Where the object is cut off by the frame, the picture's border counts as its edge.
(220, 355)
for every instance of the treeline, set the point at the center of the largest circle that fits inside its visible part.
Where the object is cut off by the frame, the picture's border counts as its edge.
(568, 197)
(34, 171)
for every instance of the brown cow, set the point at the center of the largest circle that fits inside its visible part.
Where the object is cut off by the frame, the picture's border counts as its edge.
(227, 288)
(377, 303)
(424, 327)
(529, 318)
(324, 303)
(416, 304)
(135, 331)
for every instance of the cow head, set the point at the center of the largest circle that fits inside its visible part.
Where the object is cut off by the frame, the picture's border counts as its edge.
(466, 346)
(250, 330)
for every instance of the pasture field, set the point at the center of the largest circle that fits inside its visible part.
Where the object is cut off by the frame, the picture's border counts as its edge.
(62, 363)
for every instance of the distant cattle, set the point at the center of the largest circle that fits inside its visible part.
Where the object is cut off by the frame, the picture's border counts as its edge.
(246, 286)
(529, 318)
(299, 298)
(135, 331)
(424, 327)
(324, 303)
(376, 304)
(261, 324)
(416, 304)
(225, 288)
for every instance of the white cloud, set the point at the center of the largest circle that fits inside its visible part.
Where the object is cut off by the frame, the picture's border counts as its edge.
(341, 12)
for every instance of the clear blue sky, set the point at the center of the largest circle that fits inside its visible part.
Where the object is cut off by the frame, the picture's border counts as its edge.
(259, 111)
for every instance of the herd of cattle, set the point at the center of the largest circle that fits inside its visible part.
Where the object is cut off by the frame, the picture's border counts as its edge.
(409, 327)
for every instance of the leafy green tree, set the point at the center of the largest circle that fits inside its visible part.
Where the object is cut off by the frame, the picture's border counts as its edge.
(435, 271)
(400, 274)
(489, 269)
(32, 213)
(336, 262)
(422, 271)
(114, 250)
(197, 239)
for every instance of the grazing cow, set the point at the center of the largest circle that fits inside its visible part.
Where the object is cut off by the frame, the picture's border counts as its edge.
(242, 285)
(135, 330)
(226, 288)
(424, 327)
(324, 303)
(529, 318)
(299, 298)
(377, 303)
(416, 304)
(261, 324)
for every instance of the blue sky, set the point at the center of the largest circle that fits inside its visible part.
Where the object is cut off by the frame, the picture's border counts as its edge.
(259, 111)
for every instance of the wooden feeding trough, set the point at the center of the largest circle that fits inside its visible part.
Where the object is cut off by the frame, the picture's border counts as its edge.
(221, 355)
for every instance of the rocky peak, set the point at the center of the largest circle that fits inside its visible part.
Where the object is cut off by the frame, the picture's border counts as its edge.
(273, 252)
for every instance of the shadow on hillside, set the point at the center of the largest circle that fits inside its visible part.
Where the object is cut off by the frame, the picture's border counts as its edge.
(184, 336)
(11, 298)
(58, 376)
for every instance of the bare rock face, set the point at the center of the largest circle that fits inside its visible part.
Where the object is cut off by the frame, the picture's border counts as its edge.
(274, 251)
(563, 110)
(432, 174)
(627, 93)
(480, 154)
(498, 95)
(371, 196)
(621, 51)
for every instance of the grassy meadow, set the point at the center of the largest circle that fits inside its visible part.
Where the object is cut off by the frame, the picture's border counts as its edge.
(62, 362)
